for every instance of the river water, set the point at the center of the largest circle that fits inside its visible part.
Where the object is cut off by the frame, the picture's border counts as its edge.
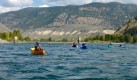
(63, 62)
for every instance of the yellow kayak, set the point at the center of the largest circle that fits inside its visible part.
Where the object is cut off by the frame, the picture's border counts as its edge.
(39, 52)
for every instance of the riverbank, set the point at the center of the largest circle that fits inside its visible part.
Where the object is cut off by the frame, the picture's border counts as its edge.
(98, 42)
(4, 41)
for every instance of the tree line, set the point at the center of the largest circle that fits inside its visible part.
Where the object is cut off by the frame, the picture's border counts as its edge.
(9, 36)
(128, 38)
(114, 38)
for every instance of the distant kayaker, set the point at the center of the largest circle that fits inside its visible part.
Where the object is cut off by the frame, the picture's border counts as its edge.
(110, 44)
(74, 44)
(120, 45)
(37, 47)
(49, 43)
(83, 44)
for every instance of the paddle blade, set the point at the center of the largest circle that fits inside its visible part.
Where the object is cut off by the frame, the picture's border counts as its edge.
(32, 49)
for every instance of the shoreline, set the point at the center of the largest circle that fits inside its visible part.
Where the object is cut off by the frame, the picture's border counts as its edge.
(97, 42)
(6, 42)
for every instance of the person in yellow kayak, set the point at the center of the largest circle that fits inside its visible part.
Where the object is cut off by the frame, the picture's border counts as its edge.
(37, 47)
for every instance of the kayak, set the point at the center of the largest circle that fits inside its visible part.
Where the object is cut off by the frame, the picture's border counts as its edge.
(39, 52)
(83, 47)
(122, 46)
(74, 46)
(110, 46)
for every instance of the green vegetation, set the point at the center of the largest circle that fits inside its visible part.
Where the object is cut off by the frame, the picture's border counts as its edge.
(135, 39)
(64, 40)
(9, 36)
(27, 39)
(135, 18)
(45, 40)
(114, 38)
(127, 38)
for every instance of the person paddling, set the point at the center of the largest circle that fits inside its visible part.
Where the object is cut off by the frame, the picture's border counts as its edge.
(37, 46)
(120, 45)
(83, 44)
(74, 44)
(110, 44)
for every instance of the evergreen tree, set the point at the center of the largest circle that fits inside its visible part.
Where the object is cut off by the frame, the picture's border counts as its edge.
(128, 38)
(27, 39)
(64, 40)
(49, 39)
(101, 38)
(121, 38)
(7, 36)
(107, 37)
(135, 18)
(18, 34)
(135, 39)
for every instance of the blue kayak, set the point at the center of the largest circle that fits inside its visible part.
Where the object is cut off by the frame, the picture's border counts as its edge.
(83, 47)
(110, 46)
(122, 46)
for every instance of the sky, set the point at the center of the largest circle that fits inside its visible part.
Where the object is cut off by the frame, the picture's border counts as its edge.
(13, 5)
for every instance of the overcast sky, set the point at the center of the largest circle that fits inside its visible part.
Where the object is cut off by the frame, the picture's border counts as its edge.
(12, 5)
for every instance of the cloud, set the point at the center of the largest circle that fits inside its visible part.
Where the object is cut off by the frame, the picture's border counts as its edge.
(13, 5)
(10, 5)
(7, 9)
(66, 2)
(43, 6)
(81, 2)
(121, 1)
(16, 3)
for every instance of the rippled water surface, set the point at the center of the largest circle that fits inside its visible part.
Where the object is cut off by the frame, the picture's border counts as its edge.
(63, 62)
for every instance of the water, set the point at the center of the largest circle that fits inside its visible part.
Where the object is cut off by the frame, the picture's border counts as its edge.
(64, 62)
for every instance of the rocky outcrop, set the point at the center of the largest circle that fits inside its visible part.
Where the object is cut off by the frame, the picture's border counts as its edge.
(65, 32)
(63, 19)
(3, 28)
(128, 28)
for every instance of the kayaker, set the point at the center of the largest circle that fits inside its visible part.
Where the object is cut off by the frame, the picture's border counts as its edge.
(37, 47)
(120, 45)
(83, 44)
(74, 44)
(110, 44)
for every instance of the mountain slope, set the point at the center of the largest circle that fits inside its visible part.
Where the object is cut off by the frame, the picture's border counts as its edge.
(3, 28)
(128, 28)
(93, 18)
(108, 14)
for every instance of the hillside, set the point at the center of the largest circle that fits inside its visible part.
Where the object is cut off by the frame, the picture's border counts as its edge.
(70, 20)
(128, 28)
(3, 28)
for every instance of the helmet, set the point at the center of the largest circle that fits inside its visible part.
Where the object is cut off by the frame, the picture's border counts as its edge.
(37, 43)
